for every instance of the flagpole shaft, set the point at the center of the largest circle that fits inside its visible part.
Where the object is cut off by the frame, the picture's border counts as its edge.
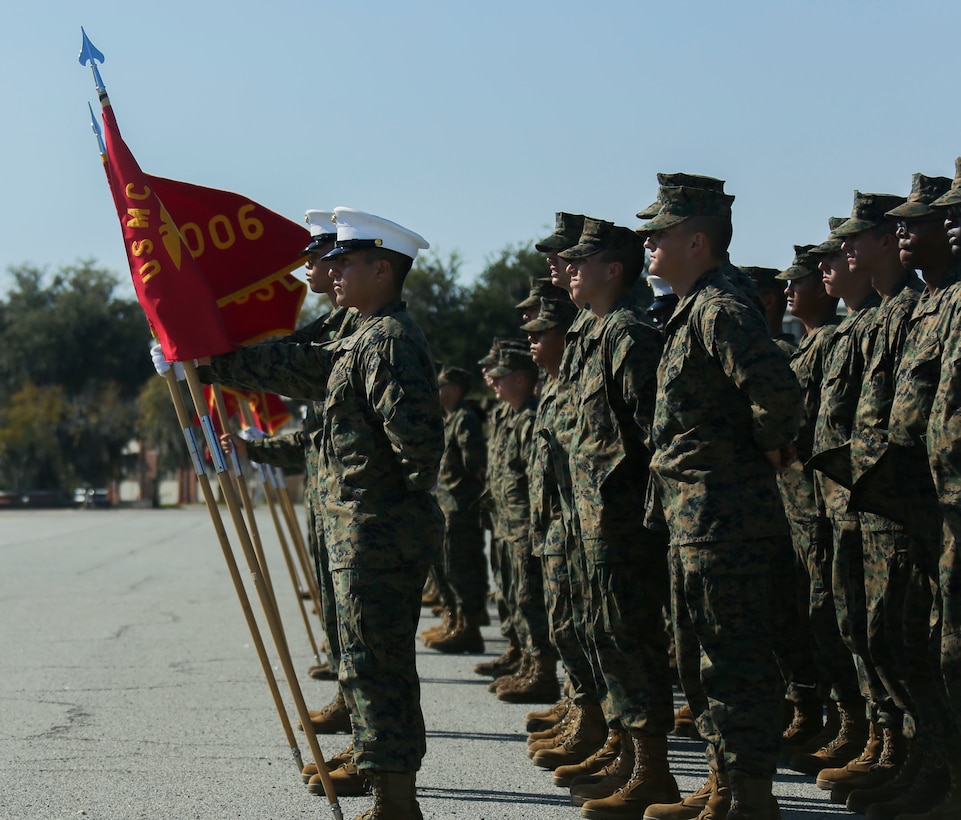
(281, 497)
(235, 576)
(284, 548)
(273, 618)
(300, 547)
(238, 475)
(269, 492)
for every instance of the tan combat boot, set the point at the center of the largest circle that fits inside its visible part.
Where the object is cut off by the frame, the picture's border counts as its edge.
(447, 625)
(607, 754)
(609, 779)
(689, 808)
(540, 685)
(322, 671)
(855, 768)
(506, 664)
(560, 733)
(332, 719)
(684, 723)
(345, 755)
(465, 639)
(554, 736)
(650, 782)
(552, 726)
(843, 747)
(883, 770)
(347, 780)
(719, 802)
(395, 797)
(520, 674)
(832, 724)
(858, 800)
(585, 738)
(806, 722)
(546, 718)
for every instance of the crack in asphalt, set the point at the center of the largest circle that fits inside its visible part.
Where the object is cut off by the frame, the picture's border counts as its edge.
(77, 718)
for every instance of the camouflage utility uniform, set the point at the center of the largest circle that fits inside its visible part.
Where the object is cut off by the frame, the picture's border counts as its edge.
(380, 449)
(559, 443)
(810, 526)
(512, 524)
(725, 396)
(299, 451)
(840, 392)
(459, 486)
(626, 563)
(886, 562)
(550, 544)
(905, 478)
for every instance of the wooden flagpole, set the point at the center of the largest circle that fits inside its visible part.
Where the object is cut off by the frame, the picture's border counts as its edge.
(270, 613)
(192, 447)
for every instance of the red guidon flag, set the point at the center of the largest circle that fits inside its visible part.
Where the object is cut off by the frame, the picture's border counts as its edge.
(179, 303)
(268, 411)
(271, 411)
(246, 253)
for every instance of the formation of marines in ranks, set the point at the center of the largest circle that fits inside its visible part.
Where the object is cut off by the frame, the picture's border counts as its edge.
(673, 494)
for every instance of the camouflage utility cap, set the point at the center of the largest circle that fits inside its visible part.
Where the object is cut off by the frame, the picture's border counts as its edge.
(456, 376)
(765, 278)
(542, 289)
(494, 353)
(869, 212)
(553, 314)
(833, 243)
(924, 190)
(567, 228)
(805, 263)
(687, 180)
(597, 235)
(512, 360)
(679, 203)
(511, 345)
(953, 196)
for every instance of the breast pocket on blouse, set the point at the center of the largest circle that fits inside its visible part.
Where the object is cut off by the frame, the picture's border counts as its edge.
(345, 427)
(674, 361)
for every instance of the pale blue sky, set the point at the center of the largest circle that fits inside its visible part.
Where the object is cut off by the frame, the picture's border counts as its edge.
(473, 122)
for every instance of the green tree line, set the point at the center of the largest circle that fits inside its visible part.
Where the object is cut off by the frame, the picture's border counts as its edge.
(76, 384)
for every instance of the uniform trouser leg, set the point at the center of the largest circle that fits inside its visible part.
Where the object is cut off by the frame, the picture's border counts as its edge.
(886, 575)
(445, 592)
(814, 541)
(560, 614)
(851, 606)
(379, 610)
(687, 656)
(949, 574)
(580, 609)
(793, 644)
(466, 563)
(328, 606)
(922, 643)
(501, 569)
(530, 610)
(628, 642)
(727, 590)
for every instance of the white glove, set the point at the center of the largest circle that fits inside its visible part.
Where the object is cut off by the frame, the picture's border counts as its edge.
(252, 433)
(161, 365)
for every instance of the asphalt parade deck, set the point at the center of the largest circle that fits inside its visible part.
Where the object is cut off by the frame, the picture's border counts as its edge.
(129, 688)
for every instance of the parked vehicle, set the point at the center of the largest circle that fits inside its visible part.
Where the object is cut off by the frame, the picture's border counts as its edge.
(88, 498)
